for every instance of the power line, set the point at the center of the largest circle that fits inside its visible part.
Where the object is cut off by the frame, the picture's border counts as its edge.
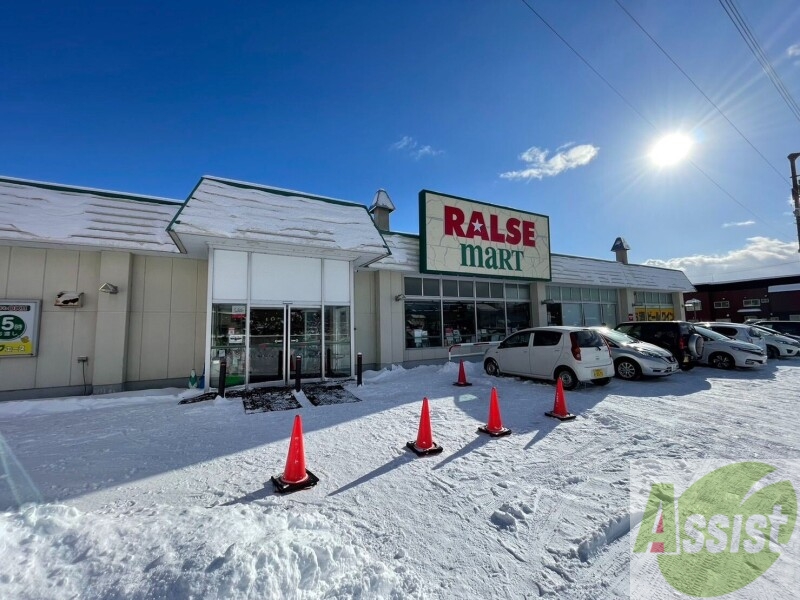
(750, 39)
(697, 87)
(645, 119)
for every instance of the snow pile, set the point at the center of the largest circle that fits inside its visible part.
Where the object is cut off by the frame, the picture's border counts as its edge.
(237, 551)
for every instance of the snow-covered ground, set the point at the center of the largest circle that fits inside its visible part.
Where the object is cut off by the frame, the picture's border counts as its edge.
(136, 496)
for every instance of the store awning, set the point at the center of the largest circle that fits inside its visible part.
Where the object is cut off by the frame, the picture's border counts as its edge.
(749, 310)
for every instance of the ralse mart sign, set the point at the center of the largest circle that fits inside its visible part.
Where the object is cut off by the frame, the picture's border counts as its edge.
(722, 534)
(465, 237)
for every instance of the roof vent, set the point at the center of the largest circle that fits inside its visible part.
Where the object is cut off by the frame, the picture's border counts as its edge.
(620, 248)
(381, 207)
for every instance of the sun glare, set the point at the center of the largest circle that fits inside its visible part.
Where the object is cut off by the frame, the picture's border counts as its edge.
(671, 149)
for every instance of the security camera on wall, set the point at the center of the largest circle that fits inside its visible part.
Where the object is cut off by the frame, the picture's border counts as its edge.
(74, 299)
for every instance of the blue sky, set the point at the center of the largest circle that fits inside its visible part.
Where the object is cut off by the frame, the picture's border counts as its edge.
(477, 99)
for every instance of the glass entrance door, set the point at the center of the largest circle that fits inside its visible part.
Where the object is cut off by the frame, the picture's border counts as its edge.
(267, 344)
(278, 336)
(305, 341)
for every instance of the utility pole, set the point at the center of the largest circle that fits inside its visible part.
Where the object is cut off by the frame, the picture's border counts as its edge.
(795, 192)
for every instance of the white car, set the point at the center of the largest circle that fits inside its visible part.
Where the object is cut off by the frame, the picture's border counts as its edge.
(738, 331)
(724, 353)
(778, 345)
(572, 354)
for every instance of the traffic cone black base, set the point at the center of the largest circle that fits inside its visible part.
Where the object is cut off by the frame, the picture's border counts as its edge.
(435, 449)
(498, 433)
(566, 417)
(462, 384)
(283, 487)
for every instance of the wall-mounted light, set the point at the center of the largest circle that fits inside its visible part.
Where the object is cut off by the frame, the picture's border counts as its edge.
(400, 297)
(548, 301)
(108, 288)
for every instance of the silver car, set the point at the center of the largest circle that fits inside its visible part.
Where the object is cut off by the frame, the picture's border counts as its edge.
(724, 353)
(634, 358)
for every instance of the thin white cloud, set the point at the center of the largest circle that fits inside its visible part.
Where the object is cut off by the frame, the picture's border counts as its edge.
(539, 166)
(793, 50)
(739, 224)
(410, 146)
(760, 257)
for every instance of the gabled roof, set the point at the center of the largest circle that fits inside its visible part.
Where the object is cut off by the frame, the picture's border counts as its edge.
(239, 214)
(566, 270)
(46, 214)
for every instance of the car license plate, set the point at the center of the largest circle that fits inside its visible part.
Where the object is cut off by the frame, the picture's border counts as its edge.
(597, 373)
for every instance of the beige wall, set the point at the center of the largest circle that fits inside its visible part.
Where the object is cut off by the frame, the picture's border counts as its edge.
(166, 330)
(64, 332)
(153, 329)
(364, 316)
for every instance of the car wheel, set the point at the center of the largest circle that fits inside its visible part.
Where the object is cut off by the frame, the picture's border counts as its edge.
(773, 352)
(627, 369)
(687, 366)
(720, 360)
(491, 367)
(601, 381)
(569, 381)
(696, 343)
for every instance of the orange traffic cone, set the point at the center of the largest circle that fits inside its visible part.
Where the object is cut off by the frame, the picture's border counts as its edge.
(462, 376)
(295, 476)
(424, 444)
(560, 406)
(495, 425)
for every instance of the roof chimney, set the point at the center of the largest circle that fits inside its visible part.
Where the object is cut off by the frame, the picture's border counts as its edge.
(620, 248)
(381, 207)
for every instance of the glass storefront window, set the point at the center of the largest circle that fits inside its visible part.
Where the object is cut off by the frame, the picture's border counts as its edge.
(571, 314)
(518, 316)
(412, 286)
(228, 328)
(482, 289)
(450, 288)
(591, 314)
(491, 321)
(610, 315)
(423, 324)
(459, 322)
(430, 287)
(466, 289)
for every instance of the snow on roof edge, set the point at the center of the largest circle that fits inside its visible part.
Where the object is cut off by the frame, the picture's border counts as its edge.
(65, 187)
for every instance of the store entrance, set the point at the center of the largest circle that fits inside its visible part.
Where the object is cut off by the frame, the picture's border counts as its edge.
(277, 336)
(554, 316)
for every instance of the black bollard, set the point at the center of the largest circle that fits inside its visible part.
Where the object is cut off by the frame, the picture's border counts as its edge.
(359, 365)
(297, 361)
(223, 373)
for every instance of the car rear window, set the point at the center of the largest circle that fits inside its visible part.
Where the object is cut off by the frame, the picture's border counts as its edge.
(587, 338)
(546, 338)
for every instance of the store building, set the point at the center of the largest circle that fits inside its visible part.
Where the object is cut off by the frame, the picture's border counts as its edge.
(736, 301)
(102, 291)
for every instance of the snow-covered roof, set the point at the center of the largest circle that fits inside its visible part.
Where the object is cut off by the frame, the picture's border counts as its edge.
(233, 213)
(51, 214)
(566, 270)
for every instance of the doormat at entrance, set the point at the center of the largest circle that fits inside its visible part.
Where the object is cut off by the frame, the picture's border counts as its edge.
(323, 395)
(200, 398)
(265, 399)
